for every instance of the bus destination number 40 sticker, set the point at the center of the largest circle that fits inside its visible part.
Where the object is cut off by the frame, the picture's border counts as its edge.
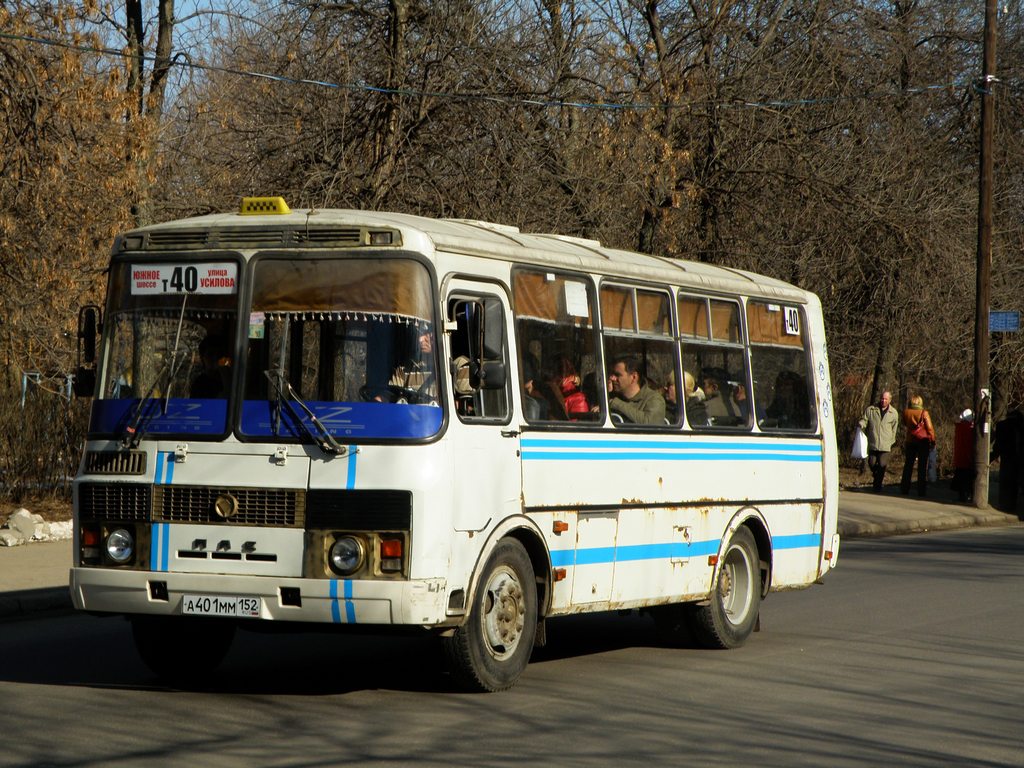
(151, 279)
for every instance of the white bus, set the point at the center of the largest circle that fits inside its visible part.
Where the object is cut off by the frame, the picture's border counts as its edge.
(360, 418)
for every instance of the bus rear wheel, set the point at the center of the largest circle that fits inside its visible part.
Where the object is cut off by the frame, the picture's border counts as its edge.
(491, 650)
(730, 614)
(182, 650)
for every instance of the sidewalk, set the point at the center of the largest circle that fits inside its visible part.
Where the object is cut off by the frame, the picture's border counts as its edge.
(34, 577)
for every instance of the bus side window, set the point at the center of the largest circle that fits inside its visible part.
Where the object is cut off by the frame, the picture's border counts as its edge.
(641, 356)
(783, 387)
(715, 376)
(557, 350)
(478, 362)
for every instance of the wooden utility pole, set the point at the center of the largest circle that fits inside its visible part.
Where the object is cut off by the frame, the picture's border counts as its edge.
(984, 267)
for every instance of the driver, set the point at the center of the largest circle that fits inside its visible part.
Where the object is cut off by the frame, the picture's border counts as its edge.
(417, 375)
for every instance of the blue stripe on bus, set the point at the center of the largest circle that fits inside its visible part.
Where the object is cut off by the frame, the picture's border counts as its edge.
(561, 558)
(540, 449)
(754, 445)
(159, 546)
(667, 456)
(632, 553)
(350, 607)
(335, 609)
(798, 541)
(154, 543)
(164, 468)
(350, 479)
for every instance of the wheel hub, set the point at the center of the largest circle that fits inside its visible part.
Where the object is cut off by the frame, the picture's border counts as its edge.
(505, 614)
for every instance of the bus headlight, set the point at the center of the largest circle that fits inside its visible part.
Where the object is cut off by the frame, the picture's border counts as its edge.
(120, 546)
(346, 555)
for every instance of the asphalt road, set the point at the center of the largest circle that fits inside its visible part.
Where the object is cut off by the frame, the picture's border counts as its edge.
(910, 654)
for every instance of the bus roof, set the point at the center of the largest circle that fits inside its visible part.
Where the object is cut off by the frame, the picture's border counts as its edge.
(460, 236)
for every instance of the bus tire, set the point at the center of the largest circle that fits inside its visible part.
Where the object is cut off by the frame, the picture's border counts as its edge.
(730, 614)
(184, 650)
(490, 651)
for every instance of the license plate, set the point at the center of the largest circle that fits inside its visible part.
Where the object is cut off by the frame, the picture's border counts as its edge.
(221, 605)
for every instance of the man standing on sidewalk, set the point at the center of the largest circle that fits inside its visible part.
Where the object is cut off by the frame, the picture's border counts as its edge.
(880, 423)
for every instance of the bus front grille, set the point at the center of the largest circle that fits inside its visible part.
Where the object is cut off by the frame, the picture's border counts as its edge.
(121, 502)
(115, 463)
(282, 508)
(353, 510)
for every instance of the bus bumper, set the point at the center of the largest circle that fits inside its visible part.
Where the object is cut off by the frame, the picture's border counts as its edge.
(329, 601)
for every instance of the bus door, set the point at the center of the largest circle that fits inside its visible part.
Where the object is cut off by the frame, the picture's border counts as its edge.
(484, 449)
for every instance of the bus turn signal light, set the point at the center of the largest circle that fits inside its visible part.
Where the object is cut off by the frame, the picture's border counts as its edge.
(560, 526)
(391, 555)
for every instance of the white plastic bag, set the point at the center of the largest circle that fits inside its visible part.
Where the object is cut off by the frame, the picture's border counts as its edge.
(860, 444)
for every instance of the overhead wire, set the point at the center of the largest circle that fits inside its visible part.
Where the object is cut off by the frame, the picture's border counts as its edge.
(185, 61)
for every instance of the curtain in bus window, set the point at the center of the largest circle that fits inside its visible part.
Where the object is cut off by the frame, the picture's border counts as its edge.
(652, 313)
(617, 308)
(766, 324)
(693, 317)
(386, 287)
(552, 298)
(725, 321)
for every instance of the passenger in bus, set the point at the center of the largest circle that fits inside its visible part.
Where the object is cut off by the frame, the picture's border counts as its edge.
(718, 399)
(671, 401)
(790, 406)
(535, 407)
(742, 401)
(696, 411)
(215, 377)
(416, 377)
(630, 396)
(573, 399)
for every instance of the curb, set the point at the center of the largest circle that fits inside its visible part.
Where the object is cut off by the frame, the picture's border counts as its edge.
(32, 601)
(865, 530)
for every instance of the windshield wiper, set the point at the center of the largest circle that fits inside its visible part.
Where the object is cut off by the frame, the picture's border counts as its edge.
(142, 412)
(286, 394)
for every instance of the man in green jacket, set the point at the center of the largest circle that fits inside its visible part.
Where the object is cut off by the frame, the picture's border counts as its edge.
(880, 423)
(630, 397)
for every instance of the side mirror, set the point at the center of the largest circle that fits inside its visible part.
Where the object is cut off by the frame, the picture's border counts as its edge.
(85, 382)
(88, 327)
(493, 374)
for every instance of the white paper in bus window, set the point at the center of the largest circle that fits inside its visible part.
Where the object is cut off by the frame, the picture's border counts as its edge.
(576, 300)
(157, 279)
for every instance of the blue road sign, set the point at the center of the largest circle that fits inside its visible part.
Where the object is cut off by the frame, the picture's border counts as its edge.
(1003, 322)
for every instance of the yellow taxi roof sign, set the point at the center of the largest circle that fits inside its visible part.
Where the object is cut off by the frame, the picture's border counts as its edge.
(263, 206)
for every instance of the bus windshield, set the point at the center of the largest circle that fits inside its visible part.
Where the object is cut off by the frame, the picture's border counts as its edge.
(169, 336)
(326, 331)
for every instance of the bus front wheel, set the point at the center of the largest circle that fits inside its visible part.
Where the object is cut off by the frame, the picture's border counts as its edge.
(490, 651)
(730, 614)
